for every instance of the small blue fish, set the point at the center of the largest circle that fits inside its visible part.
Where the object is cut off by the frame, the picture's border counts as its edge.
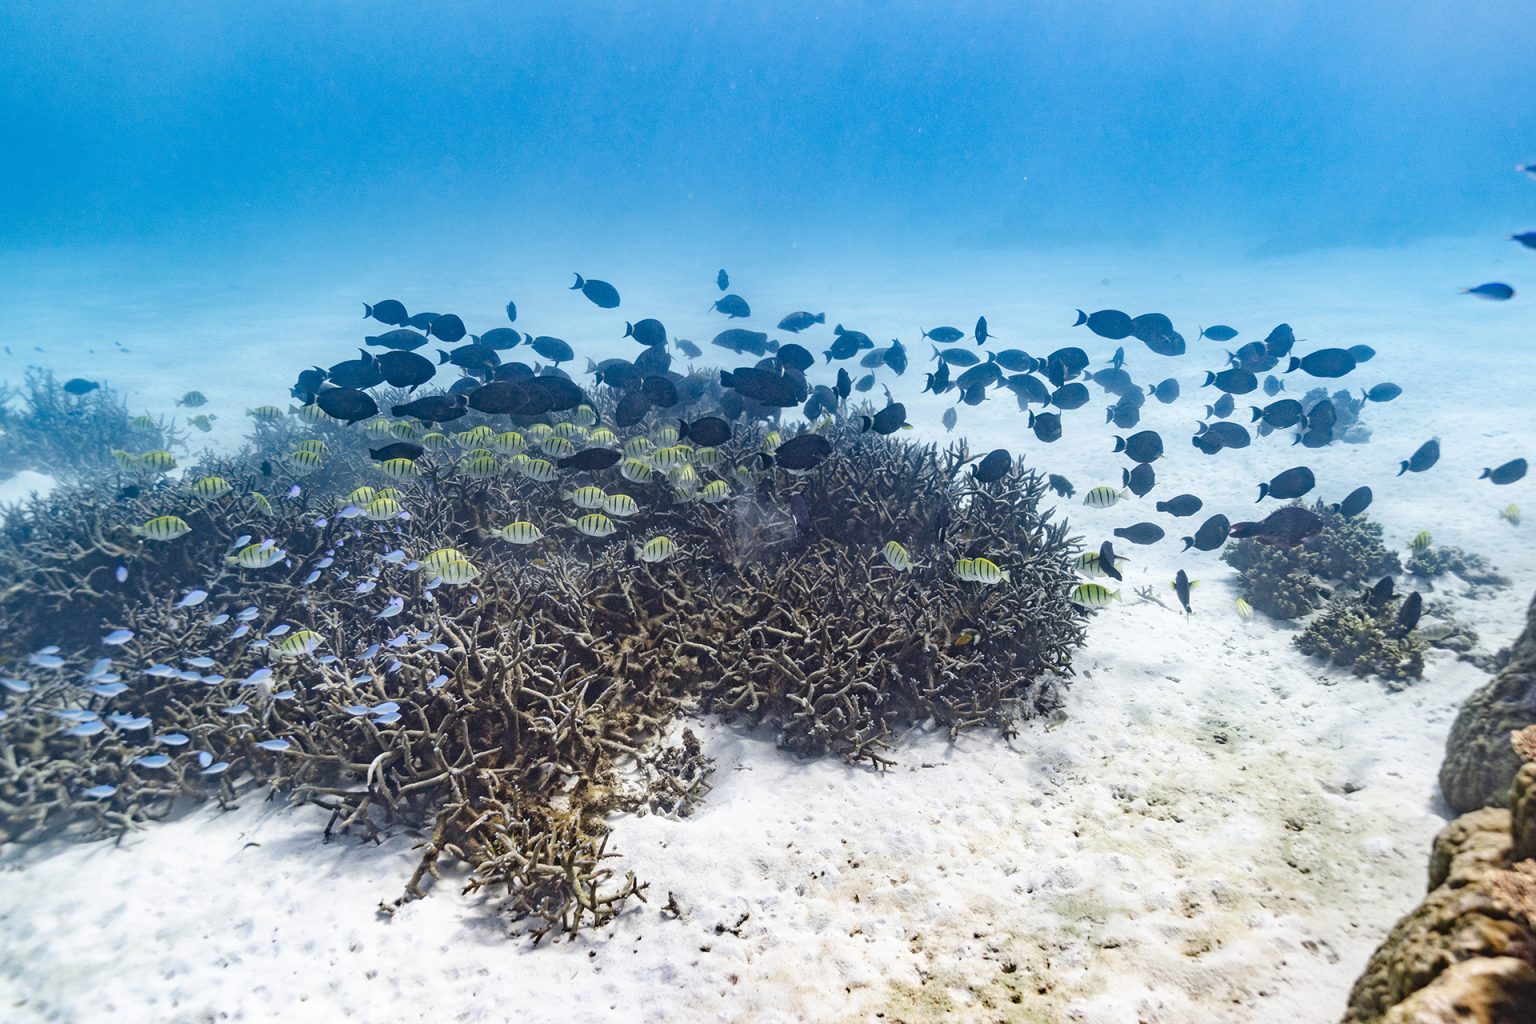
(201, 661)
(437, 648)
(438, 683)
(261, 675)
(204, 758)
(327, 659)
(153, 760)
(100, 792)
(109, 689)
(399, 640)
(73, 714)
(395, 607)
(215, 769)
(350, 512)
(117, 637)
(397, 555)
(122, 574)
(285, 694)
(322, 523)
(235, 709)
(192, 598)
(325, 563)
(384, 708)
(212, 679)
(160, 670)
(365, 586)
(16, 685)
(172, 739)
(247, 613)
(279, 630)
(393, 666)
(356, 710)
(219, 619)
(240, 631)
(130, 723)
(189, 676)
(370, 651)
(241, 541)
(366, 677)
(294, 492)
(276, 746)
(99, 670)
(90, 728)
(42, 659)
(389, 719)
(314, 575)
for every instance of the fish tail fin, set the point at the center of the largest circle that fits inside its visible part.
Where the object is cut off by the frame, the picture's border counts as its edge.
(820, 318)
(1119, 443)
(1189, 542)
(1295, 364)
(367, 311)
(1082, 318)
(442, 357)
(629, 329)
(1257, 412)
(1209, 378)
(1403, 470)
(1263, 490)
(579, 283)
(1486, 474)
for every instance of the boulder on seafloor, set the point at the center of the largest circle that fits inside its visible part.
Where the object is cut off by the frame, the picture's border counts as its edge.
(1468, 951)
(1479, 762)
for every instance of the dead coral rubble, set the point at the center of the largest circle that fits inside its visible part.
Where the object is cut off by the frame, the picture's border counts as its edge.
(530, 700)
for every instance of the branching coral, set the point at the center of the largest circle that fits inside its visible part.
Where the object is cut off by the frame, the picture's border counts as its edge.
(50, 430)
(507, 717)
(1355, 633)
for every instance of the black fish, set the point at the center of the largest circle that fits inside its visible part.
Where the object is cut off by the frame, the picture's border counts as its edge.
(553, 349)
(1362, 353)
(1278, 415)
(447, 327)
(1156, 332)
(1140, 480)
(710, 431)
(398, 450)
(1061, 485)
(308, 385)
(1325, 362)
(1213, 437)
(1108, 561)
(79, 386)
(359, 374)
(1106, 323)
(895, 357)
(406, 369)
(1146, 446)
(346, 404)
(993, 467)
(500, 339)
(1118, 359)
(687, 348)
(1068, 362)
(1427, 455)
(1355, 502)
(740, 340)
(1235, 381)
(652, 361)
(1068, 396)
(402, 340)
(1381, 393)
(500, 397)
(1141, 533)
(1293, 483)
(723, 279)
(1047, 426)
(1114, 380)
(477, 359)
(797, 322)
(616, 373)
(389, 311)
(592, 459)
(1212, 534)
(421, 321)
(1181, 505)
(602, 294)
(1181, 587)
(844, 386)
(981, 333)
(631, 409)
(1027, 389)
(1165, 391)
(1220, 332)
(1273, 385)
(558, 393)
(1408, 615)
(1014, 360)
(1280, 341)
(1379, 593)
(888, 420)
(1284, 527)
(986, 375)
(798, 357)
(956, 356)
(944, 335)
(803, 452)
(733, 306)
(975, 394)
(662, 392)
(433, 408)
(1223, 407)
(1506, 474)
(1125, 414)
(764, 386)
(511, 312)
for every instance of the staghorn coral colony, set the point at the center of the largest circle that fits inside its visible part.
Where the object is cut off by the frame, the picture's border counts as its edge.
(454, 644)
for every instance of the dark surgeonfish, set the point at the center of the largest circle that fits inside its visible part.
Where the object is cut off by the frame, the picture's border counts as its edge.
(592, 460)
(798, 357)
(1165, 391)
(1211, 438)
(1108, 561)
(1292, 483)
(1280, 341)
(346, 404)
(723, 280)
(1139, 481)
(1181, 505)
(1506, 474)
(1219, 332)
(1146, 446)
(477, 359)
(1425, 457)
(1362, 353)
(1284, 527)
(956, 356)
(800, 320)
(649, 331)
(944, 335)
(1495, 290)
(1047, 426)
(993, 467)
(1212, 534)
(1236, 381)
(78, 386)
(1156, 332)
(981, 334)
(1068, 396)
(401, 339)
(711, 431)
(1355, 502)
(553, 349)
(499, 338)
(1408, 615)
(398, 450)
(358, 374)
(888, 420)
(308, 385)
(511, 312)
(1141, 533)
(389, 311)
(448, 327)
(1061, 485)
(1278, 415)
(802, 453)
(1273, 385)
(1106, 323)
(405, 369)
(601, 294)
(1325, 362)
(1381, 393)
(742, 341)
(1181, 588)
(433, 408)
(733, 306)
(688, 348)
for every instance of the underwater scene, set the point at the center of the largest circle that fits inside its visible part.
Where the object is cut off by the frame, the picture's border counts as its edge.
(838, 512)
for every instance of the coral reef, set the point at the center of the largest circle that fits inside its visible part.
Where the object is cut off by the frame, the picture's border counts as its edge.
(72, 436)
(1434, 562)
(506, 715)
(1354, 633)
(1289, 582)
(1468, 951)
(1478, 762)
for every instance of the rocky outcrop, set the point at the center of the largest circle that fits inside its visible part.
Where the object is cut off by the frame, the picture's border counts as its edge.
(1479, 762)
(1467, 953)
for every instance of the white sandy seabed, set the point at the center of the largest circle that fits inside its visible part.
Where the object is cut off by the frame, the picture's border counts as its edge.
(1219, 831)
